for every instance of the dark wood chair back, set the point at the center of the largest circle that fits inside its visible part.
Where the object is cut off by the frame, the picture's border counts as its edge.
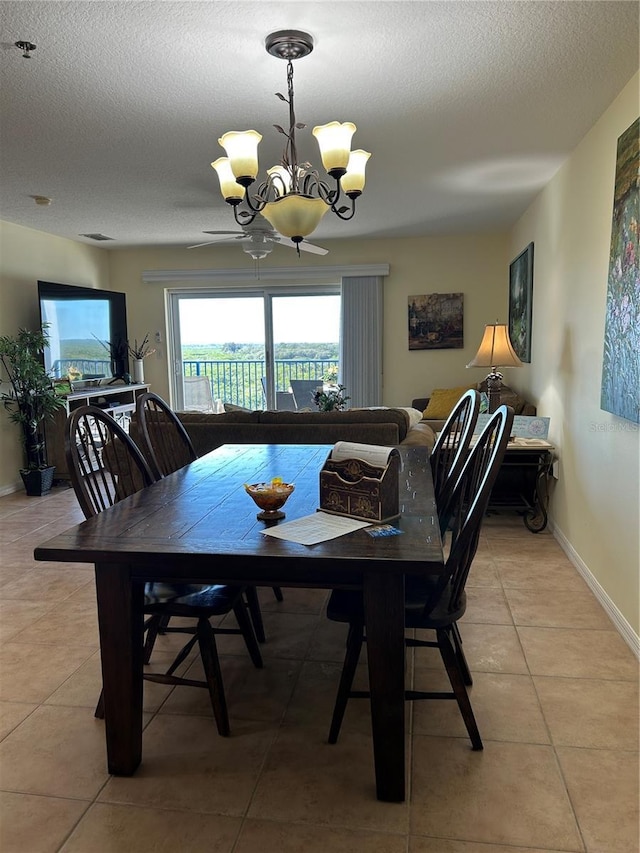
(452, 445)
(163, 439)
(105, 465)
(465, 509)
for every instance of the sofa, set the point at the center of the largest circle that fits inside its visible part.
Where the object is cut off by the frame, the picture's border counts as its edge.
(368, 426)
(435, 409)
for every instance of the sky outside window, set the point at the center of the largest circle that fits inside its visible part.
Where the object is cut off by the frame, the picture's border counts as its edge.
(241, 319)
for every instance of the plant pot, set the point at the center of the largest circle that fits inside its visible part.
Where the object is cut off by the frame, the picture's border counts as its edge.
(39, 481)
(138, 371)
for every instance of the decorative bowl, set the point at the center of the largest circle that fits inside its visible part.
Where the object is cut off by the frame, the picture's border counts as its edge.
(270, 497)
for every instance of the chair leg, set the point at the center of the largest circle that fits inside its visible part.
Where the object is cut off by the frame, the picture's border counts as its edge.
(248, 633)
(278, 593)
(462, 661)
(213, 674)
(154, 626)
(164, 624)
(99, 712)
(251, 594)
(447, 651)
(354, 645)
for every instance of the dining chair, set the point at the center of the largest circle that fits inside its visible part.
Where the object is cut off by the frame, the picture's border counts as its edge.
(198, 396)
(435, 602)
(167, 447)
(303, 391)
(162, 438)
(285, 401)
(452, 445)
(106, 466)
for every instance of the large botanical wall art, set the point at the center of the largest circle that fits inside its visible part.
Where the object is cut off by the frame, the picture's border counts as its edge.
(521, 303)
(436, 321)
(620, 392)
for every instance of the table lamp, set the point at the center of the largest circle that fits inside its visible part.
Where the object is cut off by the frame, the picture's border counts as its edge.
(495, 351)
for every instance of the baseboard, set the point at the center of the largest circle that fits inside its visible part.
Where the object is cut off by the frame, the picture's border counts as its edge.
(621, 624)
(9, 490)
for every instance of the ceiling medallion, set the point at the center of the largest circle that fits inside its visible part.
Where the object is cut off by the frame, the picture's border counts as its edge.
(293, 197)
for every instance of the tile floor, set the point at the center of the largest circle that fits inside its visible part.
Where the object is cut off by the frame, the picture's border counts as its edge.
(555, 694)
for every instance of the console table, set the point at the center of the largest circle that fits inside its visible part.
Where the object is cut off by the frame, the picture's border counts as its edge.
(117, 400)
(523, 481)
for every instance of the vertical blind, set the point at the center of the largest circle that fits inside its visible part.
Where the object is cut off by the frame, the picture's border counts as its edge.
(361, 340)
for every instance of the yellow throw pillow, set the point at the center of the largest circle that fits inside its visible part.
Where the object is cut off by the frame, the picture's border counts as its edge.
(442, 401)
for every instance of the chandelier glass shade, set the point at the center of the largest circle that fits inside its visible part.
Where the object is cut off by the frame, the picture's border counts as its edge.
(293, 197)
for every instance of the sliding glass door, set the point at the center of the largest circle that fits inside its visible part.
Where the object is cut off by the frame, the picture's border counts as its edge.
(257, 349)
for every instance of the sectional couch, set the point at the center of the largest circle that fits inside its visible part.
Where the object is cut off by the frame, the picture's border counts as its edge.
(368, 426)
(508, 396)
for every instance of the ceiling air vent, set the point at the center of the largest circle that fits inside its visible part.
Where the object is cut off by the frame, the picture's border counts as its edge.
(97, 236)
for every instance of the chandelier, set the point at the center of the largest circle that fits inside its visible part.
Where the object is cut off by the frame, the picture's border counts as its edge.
(294, 197)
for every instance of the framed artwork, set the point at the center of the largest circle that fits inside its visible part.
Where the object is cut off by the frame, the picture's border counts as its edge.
(521, 303)
(620, 388)
(436, 321)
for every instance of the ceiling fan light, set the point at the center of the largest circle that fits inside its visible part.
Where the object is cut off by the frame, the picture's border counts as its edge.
(353, 182)
(242, 151)
(259, 250)
(295, 216)
(231, 191)
(334, 141)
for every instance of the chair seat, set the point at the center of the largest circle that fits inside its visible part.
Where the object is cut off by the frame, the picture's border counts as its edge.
(348, 605)
(194, 599)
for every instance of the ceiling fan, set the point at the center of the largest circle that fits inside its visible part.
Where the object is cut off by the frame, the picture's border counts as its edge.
(259, 242)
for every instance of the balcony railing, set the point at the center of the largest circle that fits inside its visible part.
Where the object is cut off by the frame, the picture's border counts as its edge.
(88, 367)
(241, 382)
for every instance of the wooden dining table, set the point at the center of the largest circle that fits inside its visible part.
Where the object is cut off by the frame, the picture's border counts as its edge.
(199, 525)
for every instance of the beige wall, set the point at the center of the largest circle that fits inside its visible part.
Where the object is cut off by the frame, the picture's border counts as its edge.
(417, 266)
(474, 264)
(595, 507)
(596, 501)
(25, 257)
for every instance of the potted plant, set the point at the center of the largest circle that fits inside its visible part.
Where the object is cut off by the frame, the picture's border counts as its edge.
(138, 353)
(331, 399)
(118, 354)
(30, 400)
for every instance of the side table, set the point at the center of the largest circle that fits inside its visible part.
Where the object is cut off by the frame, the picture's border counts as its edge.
(523, 481)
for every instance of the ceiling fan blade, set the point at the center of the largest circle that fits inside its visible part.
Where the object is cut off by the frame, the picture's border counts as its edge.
(238, 235)
(225, 232)
(200, 245)
(305, 246)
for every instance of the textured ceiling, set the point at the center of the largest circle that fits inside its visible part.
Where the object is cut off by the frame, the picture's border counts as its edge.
(468, 107)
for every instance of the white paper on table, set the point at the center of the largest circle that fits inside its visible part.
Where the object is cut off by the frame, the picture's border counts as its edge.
(375, 454)
(315, 528)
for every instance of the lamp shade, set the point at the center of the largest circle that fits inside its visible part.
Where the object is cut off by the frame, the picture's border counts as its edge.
(495, 349)
(294, 215)
(334, 141)
(242, 151)
(353, 182)
(230, 189)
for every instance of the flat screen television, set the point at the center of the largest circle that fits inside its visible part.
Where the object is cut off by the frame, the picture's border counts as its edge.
(87, 331)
